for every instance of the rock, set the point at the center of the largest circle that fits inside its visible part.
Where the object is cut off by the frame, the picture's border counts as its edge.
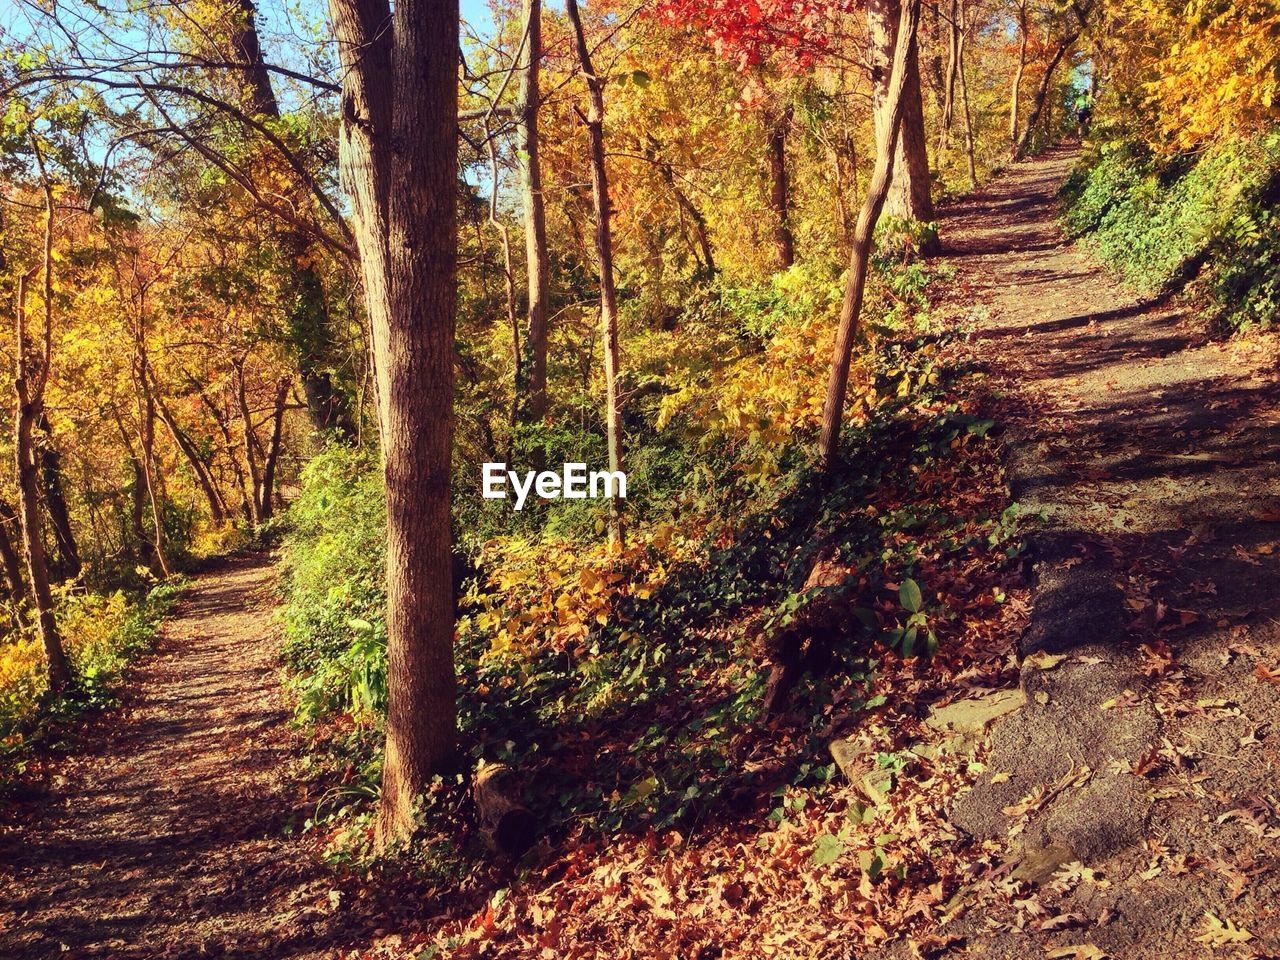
(1040, 863)
(968, 719)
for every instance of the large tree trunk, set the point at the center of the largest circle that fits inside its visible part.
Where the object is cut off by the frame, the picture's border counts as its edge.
(306, 306)
(398, 154)
(537, 258)
(909, 193)
(31, 376)
(1015, 94)
(863, 235)
(604, 255)
(784, 243)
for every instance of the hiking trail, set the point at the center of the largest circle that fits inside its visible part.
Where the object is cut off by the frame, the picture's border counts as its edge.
(162, 836)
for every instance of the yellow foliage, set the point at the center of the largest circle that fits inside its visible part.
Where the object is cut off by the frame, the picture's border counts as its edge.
(540, 596)
(1212, 71)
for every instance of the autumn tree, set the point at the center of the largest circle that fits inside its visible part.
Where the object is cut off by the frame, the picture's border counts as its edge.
(859, 261)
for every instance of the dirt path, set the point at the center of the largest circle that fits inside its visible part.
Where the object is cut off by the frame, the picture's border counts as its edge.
(162, 836)
(1149, 743)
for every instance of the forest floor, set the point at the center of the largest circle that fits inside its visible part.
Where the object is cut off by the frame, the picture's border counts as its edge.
(162, 835)
(1127, 809)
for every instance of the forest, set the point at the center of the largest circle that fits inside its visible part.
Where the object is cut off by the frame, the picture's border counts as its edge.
(640, 478)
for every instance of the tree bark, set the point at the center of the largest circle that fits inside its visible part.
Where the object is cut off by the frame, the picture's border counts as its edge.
(398, 154)
(1042, 93)
(949, 86)
(1015, 94)
(863, 236)
(146, 441)
(9, 555)
(784, 243)
(909, 193)
(266, 498)
(604, 254)
(964, 98)
(537, 259)
(55, 502)
(213, 496)
(31, 376)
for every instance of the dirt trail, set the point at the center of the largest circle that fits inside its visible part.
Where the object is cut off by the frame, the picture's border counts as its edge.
(1149, 742)
(162, 837)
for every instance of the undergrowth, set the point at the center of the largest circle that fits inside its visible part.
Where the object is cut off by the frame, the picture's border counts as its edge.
(1208, 220)
(102, 634)
(625, 684)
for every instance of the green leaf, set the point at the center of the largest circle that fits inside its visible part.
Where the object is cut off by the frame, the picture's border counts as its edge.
(828, 849)
(360, 626)
(910, 596)
(640, 78)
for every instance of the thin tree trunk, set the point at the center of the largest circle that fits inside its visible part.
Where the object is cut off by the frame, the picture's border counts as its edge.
(9, 555)
(604, 254)
(537, 259)
(910, 191)
(55, 502)
(1042, 93)
(221, 418)
(949, 86)
(249, 443)
(217, 505)
(29, 385)
(863, 237)
(702, 249)
(146, 441)
(398, 152)
(1015, 94)
(964, 99)
(266, 504)
(784, 244)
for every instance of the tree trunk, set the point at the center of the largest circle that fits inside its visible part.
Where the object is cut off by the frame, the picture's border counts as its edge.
(537, 259)
(9, 555)
(222, 419)
(213, 496)
(28, 385)
(146, 441)
(55, 502)
(249, 443)
(964, 99)
(1042, 93)
(266, 498)
(1015, 94)
(863, 236)
(306, 306)
(949, 87)
(784, 244)
(909, 193)
(604, 254)
(398, 154)
(507, 824)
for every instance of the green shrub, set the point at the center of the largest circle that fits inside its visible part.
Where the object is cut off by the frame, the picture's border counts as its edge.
(1208, 218)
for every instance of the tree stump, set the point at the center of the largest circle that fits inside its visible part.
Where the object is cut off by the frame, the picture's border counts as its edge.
(508, 825)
